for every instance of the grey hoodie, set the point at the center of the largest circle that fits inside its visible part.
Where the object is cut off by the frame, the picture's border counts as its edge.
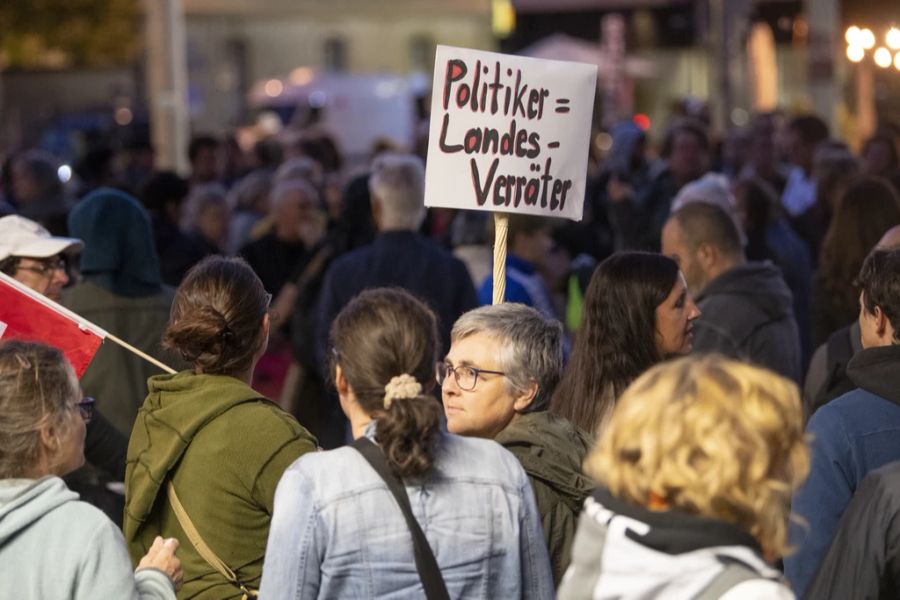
(748, 314)
(54, 546)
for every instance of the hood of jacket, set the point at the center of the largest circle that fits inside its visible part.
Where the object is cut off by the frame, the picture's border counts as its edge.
(550, 449)
(631, 552)
(23, 502)
(177, 407)
(759, 283)
(119, 251)
(877, 370)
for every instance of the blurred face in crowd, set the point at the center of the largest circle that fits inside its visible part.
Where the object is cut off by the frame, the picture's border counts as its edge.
(674, 321)
(800, 153)
(675, 245)
(24, 184)
(487, 408)
(762, 151)
(207, 164)
(297, 217)
(687, 159)
(212, 223)
(46, 276)
(877, 159)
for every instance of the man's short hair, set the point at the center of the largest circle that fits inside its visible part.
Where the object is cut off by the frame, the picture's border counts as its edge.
(686, 126)
(879, 280)
(530, 346)
(812, 129)
(398, 182)
(704, 223)
(200, 143)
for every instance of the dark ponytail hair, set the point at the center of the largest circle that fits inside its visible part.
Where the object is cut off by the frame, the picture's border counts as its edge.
(217, 315)
(382, 334)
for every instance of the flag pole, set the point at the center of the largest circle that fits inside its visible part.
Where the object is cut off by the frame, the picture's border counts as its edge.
(501, 227)
(140, 353)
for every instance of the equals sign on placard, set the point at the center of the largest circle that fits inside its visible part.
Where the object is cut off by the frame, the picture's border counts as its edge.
(563, 105)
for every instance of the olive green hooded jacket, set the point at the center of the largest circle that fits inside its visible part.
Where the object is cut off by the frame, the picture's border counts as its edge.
(224, 447)
(551, 451)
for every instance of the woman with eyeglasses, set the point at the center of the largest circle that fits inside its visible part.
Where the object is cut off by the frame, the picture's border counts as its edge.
(51, 544)
(338, 530)
(496, 383)
(207, 450)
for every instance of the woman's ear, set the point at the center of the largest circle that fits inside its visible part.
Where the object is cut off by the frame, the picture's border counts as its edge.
(265, 324)
(524, 399)
(340, 382)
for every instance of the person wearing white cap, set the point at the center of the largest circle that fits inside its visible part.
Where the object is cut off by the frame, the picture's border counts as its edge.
(29, 254)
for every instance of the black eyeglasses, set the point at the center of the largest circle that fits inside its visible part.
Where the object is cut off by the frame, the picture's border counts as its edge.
(86, 408)
(44, 267)
(466, 377)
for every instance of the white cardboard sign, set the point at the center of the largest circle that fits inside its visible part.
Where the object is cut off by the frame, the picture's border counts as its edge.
(508, 133)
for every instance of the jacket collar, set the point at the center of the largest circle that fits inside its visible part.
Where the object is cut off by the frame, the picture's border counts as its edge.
(676, 532)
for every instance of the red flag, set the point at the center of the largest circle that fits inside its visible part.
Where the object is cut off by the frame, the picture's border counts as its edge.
(28, 315)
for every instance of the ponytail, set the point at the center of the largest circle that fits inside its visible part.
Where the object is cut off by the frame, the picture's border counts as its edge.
(409, 427)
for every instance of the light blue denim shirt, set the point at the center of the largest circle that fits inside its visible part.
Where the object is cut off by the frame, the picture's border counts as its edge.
(337, 531)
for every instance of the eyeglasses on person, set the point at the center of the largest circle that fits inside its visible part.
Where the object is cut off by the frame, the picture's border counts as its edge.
(45, 267)
(466, 376)
(86, 408)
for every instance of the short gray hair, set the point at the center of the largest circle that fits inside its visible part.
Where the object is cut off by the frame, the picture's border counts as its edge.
(530, 346)
(398, 182)
(283, 188)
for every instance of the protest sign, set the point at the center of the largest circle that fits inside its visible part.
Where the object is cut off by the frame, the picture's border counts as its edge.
(511, 135)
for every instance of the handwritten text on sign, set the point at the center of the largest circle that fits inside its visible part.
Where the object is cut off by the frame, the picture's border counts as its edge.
(509, 133)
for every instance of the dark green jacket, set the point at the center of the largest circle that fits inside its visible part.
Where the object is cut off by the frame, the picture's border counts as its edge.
(225, 448)
(551, 451)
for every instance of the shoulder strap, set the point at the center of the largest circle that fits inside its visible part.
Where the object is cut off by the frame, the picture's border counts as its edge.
(202, 549)
(426, 564)
(732, 574)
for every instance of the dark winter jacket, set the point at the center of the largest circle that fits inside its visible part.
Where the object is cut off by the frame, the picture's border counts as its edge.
(747, 313)
(851, 436)
(551, 451)
(403, 259)
(864, 559)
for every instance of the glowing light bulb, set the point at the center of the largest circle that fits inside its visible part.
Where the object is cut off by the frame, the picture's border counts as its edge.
(893, 38)
(883, 58)
(853, 36)
(867, 39)
(855, 53)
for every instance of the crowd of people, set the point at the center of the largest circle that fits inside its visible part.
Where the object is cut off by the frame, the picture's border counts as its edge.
(692, 393)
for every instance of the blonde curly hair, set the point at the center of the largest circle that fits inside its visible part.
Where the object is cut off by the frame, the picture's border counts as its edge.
(712, 437)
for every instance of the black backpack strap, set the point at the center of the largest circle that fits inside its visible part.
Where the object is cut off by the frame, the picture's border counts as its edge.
(426, 564)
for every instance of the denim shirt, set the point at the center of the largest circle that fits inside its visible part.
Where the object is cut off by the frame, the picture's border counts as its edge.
(337, 531)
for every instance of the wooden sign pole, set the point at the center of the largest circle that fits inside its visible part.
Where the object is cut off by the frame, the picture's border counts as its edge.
(501, 227)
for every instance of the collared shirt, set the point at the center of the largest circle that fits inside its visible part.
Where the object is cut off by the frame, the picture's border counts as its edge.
(338, 533)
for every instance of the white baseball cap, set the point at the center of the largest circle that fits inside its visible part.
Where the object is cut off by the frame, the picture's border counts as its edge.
(23, 237)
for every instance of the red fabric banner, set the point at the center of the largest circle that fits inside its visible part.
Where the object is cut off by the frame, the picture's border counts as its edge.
(27, 315)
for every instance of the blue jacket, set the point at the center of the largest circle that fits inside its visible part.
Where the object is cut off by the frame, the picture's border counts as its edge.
(523, 285)
(852, 435)
(338, 533)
